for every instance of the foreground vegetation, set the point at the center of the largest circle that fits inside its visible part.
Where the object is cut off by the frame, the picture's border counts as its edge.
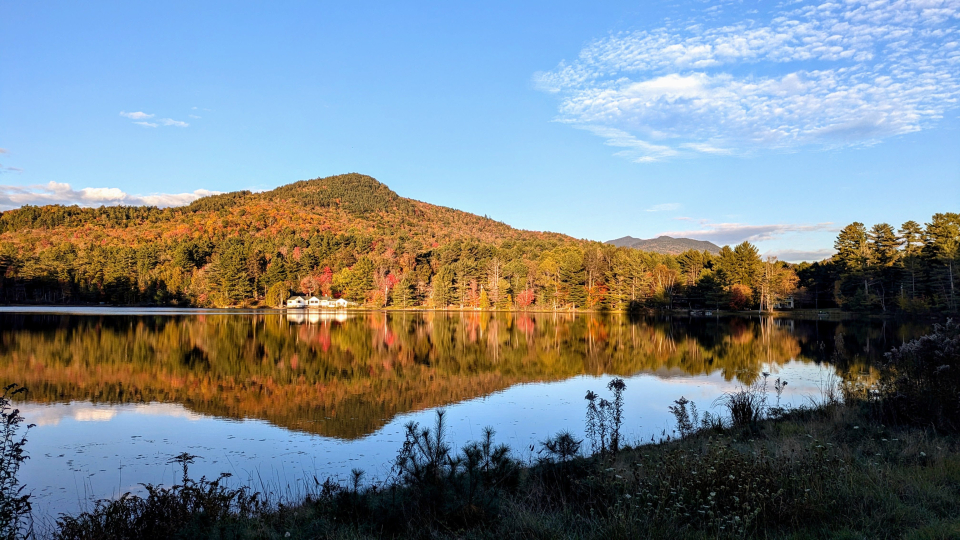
(877, 462)
(352, 237)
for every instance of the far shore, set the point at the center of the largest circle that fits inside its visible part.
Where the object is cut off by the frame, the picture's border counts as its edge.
(698, 313)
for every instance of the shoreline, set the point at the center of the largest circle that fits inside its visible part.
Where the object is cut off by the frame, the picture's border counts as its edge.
(832, 314)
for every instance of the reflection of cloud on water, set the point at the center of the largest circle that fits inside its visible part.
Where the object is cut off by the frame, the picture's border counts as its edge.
(52, 415)
(166, 409)
(94, 414)
(804, 380)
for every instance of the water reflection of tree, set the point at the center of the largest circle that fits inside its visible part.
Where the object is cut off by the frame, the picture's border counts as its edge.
(346, 379)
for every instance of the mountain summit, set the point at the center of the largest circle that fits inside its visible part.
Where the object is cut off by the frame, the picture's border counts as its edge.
(665, 244)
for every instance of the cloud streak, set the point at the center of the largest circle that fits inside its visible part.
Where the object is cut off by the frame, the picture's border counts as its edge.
(810, 75)
(665, 207)
(735, 233)
(139, 115)
(141, 118)
(63, 193)
(798, 255)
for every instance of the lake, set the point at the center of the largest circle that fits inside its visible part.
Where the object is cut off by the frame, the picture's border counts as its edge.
(283, 400)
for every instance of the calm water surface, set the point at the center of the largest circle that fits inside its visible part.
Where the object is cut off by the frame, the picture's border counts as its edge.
(279, 400)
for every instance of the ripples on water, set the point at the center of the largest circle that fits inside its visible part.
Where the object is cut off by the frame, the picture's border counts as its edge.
(278, 399)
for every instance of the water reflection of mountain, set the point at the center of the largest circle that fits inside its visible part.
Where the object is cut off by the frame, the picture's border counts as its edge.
(346, 377)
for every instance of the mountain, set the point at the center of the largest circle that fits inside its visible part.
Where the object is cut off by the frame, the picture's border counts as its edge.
(665, 244)
(352, 203)
(348, 236)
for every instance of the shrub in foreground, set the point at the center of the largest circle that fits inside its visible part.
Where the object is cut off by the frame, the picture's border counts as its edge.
(921, 381)
(14, 504)
(192, 509)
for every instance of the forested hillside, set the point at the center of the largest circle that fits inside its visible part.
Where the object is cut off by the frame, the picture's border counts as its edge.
(666, 244)
(351, 236)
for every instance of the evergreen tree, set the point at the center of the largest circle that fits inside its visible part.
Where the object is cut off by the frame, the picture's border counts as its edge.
(912, 236)
(442, 287)
(884, 254)
(402, 294)
(229, 273)
(853, 258)
(942, 251)
(746, 264)
(883, 244)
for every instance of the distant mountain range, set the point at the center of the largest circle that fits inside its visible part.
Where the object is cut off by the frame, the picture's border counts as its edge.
(665, 244)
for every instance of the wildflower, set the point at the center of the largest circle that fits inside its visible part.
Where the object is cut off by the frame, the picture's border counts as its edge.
(923, 454)
(287, 534)
(856, 427)
(627, 496)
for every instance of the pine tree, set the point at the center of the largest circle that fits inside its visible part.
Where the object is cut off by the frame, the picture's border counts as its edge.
(746, 264)
(853, 255)
(912, 236)
(942, 251)
(883, 244)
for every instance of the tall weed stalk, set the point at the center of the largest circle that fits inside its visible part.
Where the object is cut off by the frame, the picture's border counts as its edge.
(605, 419)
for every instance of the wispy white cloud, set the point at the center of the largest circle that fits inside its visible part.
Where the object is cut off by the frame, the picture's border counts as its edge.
(665, 207)
(141, 119)
(822, 75)
(139, 115)
(734, 233)
(634, 149)
(799, 255)
(63, 193)
(4, 151)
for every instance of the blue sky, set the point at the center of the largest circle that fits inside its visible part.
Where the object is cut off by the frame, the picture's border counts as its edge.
(776, 123)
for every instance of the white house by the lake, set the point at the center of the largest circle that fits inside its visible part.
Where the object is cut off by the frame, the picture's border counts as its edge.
(784, 303)
(303, 301)
(296, 301)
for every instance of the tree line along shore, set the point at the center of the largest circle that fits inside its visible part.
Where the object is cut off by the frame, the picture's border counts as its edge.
(351, 237)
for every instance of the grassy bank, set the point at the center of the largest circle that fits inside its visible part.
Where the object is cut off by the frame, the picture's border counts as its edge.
(878, 462)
